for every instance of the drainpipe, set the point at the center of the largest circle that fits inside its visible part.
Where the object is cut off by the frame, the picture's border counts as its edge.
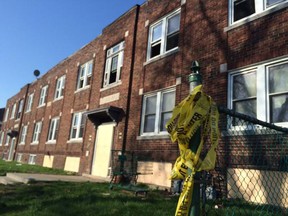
(20, 122)
(130, 81)
(195, 79)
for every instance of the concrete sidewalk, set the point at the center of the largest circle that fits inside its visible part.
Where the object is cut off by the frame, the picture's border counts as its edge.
(13, 178)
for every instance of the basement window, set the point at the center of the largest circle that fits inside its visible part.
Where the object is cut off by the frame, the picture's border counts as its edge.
(32, 159)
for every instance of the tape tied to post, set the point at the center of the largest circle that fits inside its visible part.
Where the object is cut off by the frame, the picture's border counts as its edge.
(196, 112)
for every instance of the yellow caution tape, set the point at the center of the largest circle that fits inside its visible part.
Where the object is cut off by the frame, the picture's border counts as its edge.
(194, 112)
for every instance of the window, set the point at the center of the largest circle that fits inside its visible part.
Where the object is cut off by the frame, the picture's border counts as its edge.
(13, 111)
(164, 35)
(36, 133)
(278, 92)
(43, 94)
(23, 135)
(53, 129)
(156, 111)
(244, 93)
(114, 63)
(32, 159)
(261, 92)
(85, 74)
(77, 126)
(1, 137)
(241, 9)
(29, 102)
(19, 158)
(20, 108)
(60, 85)
(6, 114)
(7, 142)
(273, 2)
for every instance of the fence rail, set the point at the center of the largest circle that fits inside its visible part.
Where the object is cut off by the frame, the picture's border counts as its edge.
(251, 174)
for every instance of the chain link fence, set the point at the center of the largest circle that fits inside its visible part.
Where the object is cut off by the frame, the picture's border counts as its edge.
(251, 174)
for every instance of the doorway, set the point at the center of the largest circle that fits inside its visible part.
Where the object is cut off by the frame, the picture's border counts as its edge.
(102, 150)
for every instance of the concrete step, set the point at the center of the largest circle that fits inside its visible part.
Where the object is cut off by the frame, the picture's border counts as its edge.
(7, 181)
(17, 178)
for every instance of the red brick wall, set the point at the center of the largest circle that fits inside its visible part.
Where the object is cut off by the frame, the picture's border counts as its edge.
(202, 37)
(256, 41)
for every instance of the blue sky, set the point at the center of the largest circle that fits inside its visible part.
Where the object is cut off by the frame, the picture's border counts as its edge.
(38, 34)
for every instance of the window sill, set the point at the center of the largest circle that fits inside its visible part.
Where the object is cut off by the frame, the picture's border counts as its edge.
(58, 99)
(34, 143)
(256, 16)
(161, 56)
(53, 142)
(111, 86)
(21, 144)
(82, 89)
(42, 105)
(75, 141)
(153, 137)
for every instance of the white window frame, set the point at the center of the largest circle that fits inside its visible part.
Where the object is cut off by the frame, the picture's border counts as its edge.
(84, 74)
(262, 94)
(43, 95)
(23, 135)
(116, 51)
(20, 109)
(32, 159)
(13, 111)
(77, 125)
(53, 130)
(159, 98)
(1, 137)
(36, 132)
(6, 115)
(19, 157)
(7, 141)
(164, 33)
(29, 102)
(59, 89)
(260, 7)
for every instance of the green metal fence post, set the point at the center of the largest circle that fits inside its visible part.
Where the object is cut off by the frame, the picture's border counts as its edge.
(195, 79)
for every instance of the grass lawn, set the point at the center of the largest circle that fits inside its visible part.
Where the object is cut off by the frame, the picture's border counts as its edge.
(67, 198)
(13, 166)
(62, 198)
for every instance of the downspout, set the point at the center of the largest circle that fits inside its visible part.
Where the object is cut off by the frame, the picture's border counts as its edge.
(125, 134)
(20, 122)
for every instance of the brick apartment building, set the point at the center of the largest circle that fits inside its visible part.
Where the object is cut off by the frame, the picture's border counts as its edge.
(117, 92)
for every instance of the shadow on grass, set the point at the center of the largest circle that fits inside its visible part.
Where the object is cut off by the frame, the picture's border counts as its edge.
(61, 198)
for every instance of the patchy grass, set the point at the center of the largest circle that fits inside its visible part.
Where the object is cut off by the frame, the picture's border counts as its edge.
(62, 198)
(68, 198)
(12, 166)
